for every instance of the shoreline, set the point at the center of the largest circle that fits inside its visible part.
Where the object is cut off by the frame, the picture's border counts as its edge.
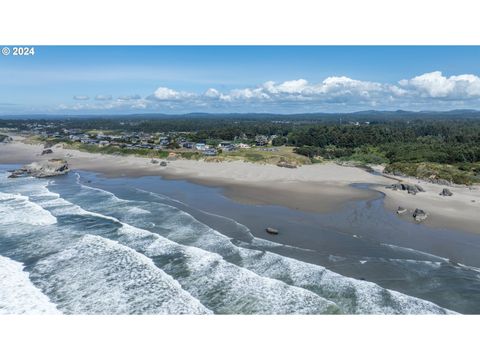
(318, 188)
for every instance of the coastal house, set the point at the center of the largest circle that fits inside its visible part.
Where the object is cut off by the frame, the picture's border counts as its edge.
(224, 144)
(188, 145)
(164, 141)
(200, 146)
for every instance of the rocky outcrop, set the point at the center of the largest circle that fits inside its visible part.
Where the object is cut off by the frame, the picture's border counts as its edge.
(5, 139)
(163, 163)
(154, 161)
(446, 192)
(412, 189)
(419, 215)
(434, 180)
(47, 151)
(53, 167)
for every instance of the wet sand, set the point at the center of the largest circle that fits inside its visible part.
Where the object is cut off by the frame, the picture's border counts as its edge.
(362, 240)
(312, 188)
(317, 188)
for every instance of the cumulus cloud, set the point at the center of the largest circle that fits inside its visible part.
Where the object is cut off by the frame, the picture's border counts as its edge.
(167, 94)
(103, 97)
(212, 93)
(81, 97)
(436, 85)
(431, 90)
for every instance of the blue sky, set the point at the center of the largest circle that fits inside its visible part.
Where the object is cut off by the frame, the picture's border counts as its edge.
(119, 80)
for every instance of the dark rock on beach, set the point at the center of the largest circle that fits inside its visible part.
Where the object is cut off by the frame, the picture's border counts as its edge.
(412, 189)
(446, 192)
(419, 215)
(47, 151)
(53, 167)
(272, 231)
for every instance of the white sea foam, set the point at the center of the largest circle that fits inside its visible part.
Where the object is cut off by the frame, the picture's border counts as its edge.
(353, 296)
(18, 209)
(17, 293)
(413, 251)
(100, 276)
(138, 211)
(106, 193)
(234, 283)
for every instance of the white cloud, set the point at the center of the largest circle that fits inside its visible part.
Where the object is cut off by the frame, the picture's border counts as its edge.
(129, 97)
(212, 93)
(246, 94)
(288, 87)
(103, 97)
(335, 93)
(81, 97)
(435, 85)
(164, 93)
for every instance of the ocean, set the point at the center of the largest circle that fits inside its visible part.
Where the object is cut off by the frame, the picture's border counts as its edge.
(86, 244)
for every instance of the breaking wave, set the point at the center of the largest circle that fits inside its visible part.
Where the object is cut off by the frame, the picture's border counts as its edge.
(17, 293)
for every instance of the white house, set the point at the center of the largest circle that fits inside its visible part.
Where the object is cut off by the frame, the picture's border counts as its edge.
(200, 146)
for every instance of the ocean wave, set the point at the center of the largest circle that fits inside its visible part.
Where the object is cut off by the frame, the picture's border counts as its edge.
(17, 293)
(353, 296)
(223, 287)
(18, 209)
(224, 277)
(436, 259)
(416, 252)
(100, 276)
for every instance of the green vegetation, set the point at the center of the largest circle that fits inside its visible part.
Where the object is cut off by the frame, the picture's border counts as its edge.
(261, 155)
(441, 144)
(447, 150)
(190, 155)
(115, 150)
(456, 173)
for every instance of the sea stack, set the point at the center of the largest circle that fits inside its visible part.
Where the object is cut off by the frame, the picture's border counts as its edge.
(53, 167)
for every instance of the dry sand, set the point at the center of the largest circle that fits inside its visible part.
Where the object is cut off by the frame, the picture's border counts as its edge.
(319, 187)
(457, 211)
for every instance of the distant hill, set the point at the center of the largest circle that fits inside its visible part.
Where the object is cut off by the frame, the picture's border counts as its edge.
(367, 115)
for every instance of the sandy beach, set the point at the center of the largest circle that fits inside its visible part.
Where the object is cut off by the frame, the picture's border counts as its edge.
(315, 188)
